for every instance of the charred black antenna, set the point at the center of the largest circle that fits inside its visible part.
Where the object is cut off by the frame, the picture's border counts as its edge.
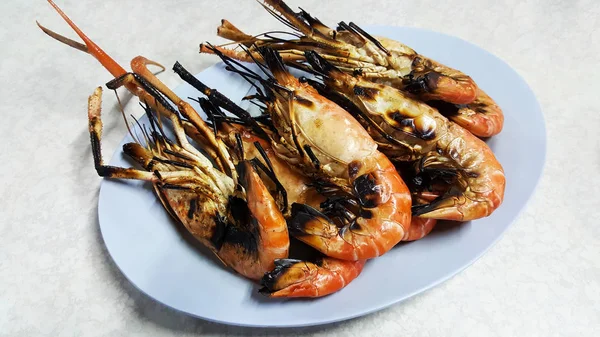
(248, 74)
(279, 17)
(270, 53)
(240, 146)
(149, 114)
(303, 67)
(210, 113)
(153, 120)
(309, 18)
(232, 64)
(263, 154)
(262, 107)
(369, 37)
(342, 26)
(263, 118)
(146, 137)
(266, 34)
(218, 99)
(312, 156)
(271, 174)
(319, 64)
(417, 210)
(323, 187)
(355, 29)
(262, 67)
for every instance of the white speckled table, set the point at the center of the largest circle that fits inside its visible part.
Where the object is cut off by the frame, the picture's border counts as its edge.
(56, 278)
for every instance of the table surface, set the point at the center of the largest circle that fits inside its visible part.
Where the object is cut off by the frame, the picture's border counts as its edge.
(56, 277)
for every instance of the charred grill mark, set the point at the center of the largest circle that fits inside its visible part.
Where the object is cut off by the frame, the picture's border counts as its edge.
(420, 82)
(353, 169)
(244, 238)
(304, 102)
(302, 215)
(220, 231)
(431, 80)
(445, 108)
(355, 227)
(338, 207)
(366, 214)
(365, 92)
(367, 190)
(244, 232)
(174, 187)
(449, 109)
(478, 107)
(270, 279)
(408, 125)
(193, 208)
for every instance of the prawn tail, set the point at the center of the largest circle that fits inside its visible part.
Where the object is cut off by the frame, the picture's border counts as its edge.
(297, 278)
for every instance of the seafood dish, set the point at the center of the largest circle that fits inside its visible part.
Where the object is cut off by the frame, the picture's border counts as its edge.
(371, 147)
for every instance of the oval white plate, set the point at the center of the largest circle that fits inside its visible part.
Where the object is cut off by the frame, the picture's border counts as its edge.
(167, 265)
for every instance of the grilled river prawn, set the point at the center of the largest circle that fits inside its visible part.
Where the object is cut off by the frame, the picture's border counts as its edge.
(291, 277)
(237, 218)
(377, 59)
(445, 155)
(368, 207)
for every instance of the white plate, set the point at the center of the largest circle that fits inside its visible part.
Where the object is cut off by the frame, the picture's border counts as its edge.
(167, 265)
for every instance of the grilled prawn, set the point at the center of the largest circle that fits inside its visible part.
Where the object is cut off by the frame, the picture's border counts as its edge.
(445, 154)
(237, 219)
(367, 211)
(323, 276)
(377, 59)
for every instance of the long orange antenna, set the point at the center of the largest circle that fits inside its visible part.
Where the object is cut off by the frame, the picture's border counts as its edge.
(111, 65)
